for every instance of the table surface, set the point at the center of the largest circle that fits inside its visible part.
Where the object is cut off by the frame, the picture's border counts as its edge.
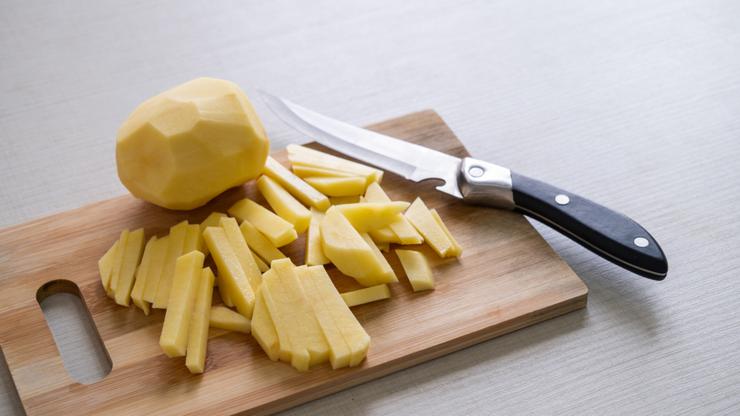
(632, 103)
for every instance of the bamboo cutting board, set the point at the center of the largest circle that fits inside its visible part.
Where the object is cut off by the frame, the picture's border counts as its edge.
(507, 278)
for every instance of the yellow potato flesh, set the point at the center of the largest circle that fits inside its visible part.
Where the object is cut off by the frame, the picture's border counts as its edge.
(242, 252)
(352, 255)
(127, 273)
(299, 155)
(336, 187)
(117, 262)
(366, 216)
(156, 266)
(105, 265)
(212, 220)
(366, 295)
(259, 243)
(224, 318)
(276, 229)
(223, 292)
(260, 264)
(456, 248)
(263, 329)
(230, 271)
(280, 312)
(419, 216)
(295, 185)
(305, 171)
(402, 228)
(384, 236)
(176, 242)
(314, 252)
(284, 204)
(183, 147)
(417, 269)
(193, 239)
(187, 276)
(340, 200)
(142, 273)
(195, 358)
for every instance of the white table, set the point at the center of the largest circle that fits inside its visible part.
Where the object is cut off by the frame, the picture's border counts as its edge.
(633, 103)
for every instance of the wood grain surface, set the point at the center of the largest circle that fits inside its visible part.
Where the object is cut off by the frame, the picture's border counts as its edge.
(506, 279)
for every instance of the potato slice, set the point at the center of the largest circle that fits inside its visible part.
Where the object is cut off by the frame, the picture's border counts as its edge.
(176, 242)
(212, 220)
(260, 264)
(263, 329)
(232, 275)
(195, 358)
(280, 311)
(224, 318)
(295, 185)
(299, 155)
(223, 293)
(421, 218)
(284, 204)
(384, 236)
(305, 171)
(417, 269)
(314, 252)
(156, 265)
(366, 295)
(403, 229)
(142, 273)
(188, 273)
(276, 229)
(387, 270)
(341, 200)
(105, 265)
(117, 263)
(456, 248)
(259, 243)
(243, 254)
(193, 239)
(127, 273)
(352, 255)
(366, 216)
(337, 187)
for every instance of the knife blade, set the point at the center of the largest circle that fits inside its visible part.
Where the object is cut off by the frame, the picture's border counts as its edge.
(609, 234)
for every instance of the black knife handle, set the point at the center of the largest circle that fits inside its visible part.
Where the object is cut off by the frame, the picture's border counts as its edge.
(609, 234)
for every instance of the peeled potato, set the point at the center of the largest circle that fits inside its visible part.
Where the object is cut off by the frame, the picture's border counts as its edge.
(185, 146)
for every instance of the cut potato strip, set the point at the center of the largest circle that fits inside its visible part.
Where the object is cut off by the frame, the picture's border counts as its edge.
(366, 295)
(284, 204)
(185, 282)
(263, 329)
(387, 269)
(195, 358)
(223, 293)
(212, 220)
(336, 187)
(366, 216)
(403, 229)
(384, 247)
(176, 242)
(417, 269)
(259, 243)
(299, 155)
(295, 185)
(421, 218)
(456, 248)
(350, 252)
(232, 276)
(243, 254)
(276, 229)
(117, 263)
(340, 200)
(384, 236)
(224, 318)
(105, 265)
(193, 239)
(260, 264)
(280, 312)
(314, 251)
(131, 256)
(142, 272)
(305, 171)
(155, 269)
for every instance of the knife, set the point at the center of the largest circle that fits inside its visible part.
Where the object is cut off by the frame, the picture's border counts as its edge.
(611, 235)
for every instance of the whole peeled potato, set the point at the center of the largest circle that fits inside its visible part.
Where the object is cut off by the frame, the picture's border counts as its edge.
(183, 147)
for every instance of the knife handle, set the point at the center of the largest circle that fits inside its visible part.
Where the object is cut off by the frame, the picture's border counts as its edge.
(609, 234)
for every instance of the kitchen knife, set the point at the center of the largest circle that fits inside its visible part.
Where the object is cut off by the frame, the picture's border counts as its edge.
(611, 235)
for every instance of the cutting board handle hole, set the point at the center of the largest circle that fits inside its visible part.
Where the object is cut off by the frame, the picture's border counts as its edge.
(83, 353)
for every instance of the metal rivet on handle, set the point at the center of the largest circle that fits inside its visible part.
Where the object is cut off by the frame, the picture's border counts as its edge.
(476, 171)
(562, 199)
(641, 242)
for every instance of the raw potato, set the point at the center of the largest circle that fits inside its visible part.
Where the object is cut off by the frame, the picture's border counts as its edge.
(420, 217)
(259, 243)
(366, 295)
(387, 270)
(230, 271)
(295, 185)
(224, 318)
(314, 252)
(116, 263)
(105, 265)
(260, 264)
(366, 216)
(223, 292)
(243, 254)
(176, 242)
(417, 269)
(263, 329)
(186, 281)
(384, 236)
(137, 293)
(340, 200)
(284, 204)
(126, 274)
(183, 147)
(335, 187)
(456, 248)
(212, 220)
(402, 228)
(299, 155)
(195, 359)
(193, 239)
(276, 229)
(155, 268)
(307, 171)
(352, 255)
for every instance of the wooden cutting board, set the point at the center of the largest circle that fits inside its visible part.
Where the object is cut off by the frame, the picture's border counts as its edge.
(507, 278)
